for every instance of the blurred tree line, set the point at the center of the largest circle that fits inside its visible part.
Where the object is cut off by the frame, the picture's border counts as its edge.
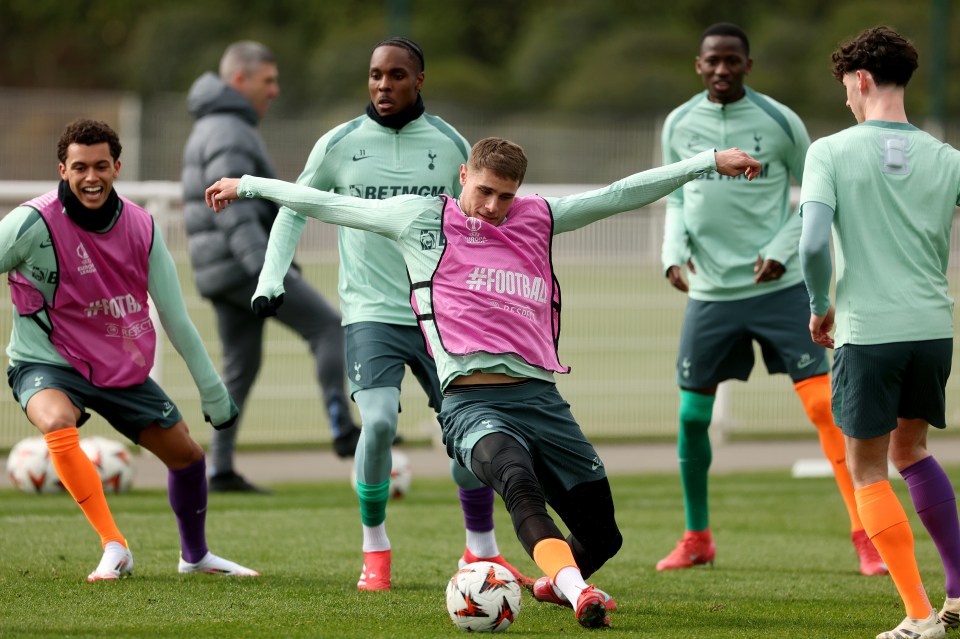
(604, 59)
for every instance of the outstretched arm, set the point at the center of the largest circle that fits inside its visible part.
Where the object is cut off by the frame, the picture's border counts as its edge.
(387, 217)
(640, 189)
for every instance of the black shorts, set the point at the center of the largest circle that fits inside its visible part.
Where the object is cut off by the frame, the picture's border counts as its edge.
(129, 410)
(875, 384)
(716, 341)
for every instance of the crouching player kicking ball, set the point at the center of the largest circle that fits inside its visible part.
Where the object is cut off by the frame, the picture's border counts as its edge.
(81, 261)
(489, 304)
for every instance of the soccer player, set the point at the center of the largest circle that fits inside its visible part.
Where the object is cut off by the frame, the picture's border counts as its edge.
(227, 252)
(81, 262)
(488, 302)
(888, 190)
(739, 243)
(395, 148)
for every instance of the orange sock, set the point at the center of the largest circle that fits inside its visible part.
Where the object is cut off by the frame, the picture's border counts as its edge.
(553, 555)
(886, 523)
(79, 476)
(815, 396)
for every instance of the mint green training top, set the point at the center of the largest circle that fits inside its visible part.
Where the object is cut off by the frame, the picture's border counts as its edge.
(408, 219)
(893, 189)
(723, 224)
(26, 247)
(364, 159)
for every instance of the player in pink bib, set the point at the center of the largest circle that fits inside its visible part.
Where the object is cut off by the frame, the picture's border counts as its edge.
(81, 263)
(488, 305)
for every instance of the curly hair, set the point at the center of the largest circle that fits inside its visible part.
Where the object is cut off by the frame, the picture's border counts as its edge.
(888, 56)
(88, 132)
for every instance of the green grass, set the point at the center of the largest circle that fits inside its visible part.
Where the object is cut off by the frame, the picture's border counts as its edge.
(785, 568)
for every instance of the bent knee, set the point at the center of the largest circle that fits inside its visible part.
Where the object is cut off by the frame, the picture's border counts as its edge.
(610, 544)
(50, 410)
(820, 413)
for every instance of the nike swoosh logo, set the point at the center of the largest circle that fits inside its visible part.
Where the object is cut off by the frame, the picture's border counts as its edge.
(362, 157)
(166, 412)
(804, 364)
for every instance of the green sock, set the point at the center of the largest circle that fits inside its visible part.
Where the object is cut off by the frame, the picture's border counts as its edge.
(693, 448)
(373, 502)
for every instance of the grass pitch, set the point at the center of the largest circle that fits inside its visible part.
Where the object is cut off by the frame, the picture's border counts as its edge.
(785, 566)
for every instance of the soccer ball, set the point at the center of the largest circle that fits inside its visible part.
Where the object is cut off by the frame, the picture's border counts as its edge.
(401, 476)
(483, 597)
(113, 461)
(30, 468)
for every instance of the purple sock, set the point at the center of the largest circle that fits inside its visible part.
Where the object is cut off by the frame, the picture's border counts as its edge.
(477, 504)
(187, 489)
(936, 504)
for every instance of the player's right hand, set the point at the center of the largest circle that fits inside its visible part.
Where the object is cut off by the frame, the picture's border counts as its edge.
(675, 276)
(820, 327)
(267, 307)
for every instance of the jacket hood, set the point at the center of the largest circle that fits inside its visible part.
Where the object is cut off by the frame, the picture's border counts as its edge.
(209, 94)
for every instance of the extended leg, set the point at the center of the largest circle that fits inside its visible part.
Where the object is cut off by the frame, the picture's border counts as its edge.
(187, 491)
(504, 464)
(814, 393)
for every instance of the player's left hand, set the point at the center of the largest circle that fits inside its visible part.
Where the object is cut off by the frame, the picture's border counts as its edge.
(820, 327)
(223, 425)
(219, 409)
(767, 270)
(221, 193)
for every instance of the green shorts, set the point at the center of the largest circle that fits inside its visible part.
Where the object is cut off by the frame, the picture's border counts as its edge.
(875, 384)
(376, 354)
(129, 410)
(716, 341)
(533, 413)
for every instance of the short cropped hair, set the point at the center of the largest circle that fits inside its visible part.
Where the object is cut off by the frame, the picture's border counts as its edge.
(888, 56)
(503, 157)
(726, 29)
(246, 57)
(88, 133)
(411, 47)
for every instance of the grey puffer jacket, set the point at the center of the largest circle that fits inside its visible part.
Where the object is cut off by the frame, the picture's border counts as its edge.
(227, 249)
